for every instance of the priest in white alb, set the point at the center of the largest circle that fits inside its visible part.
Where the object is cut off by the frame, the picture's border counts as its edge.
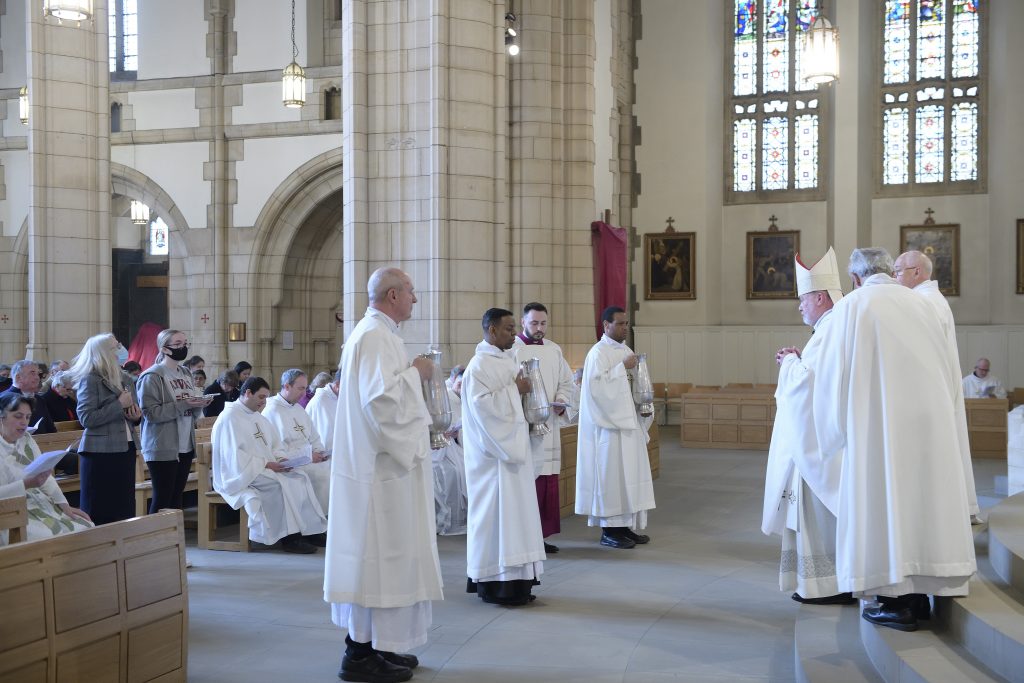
(451, 500)
(914, 270)
(791, 509)
(323, 411)
(382, 569)
(532, 342)
(883, 396)
(504, 547)
(281, 503)
(981, 383)
(613, 472)
(299, 437)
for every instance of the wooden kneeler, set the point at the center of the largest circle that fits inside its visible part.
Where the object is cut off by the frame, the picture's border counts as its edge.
(208, 502)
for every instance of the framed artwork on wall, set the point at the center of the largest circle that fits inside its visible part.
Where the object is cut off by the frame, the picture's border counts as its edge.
(669, 268)
(1020, 255)
(771, 273)
(941, 243)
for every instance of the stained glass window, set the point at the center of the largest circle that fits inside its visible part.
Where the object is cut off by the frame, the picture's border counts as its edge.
(932, 83)
(775, 116)
(158, 237)
(123, 37)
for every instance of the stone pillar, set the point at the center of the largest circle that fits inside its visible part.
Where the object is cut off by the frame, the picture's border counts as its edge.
(69, 207)
(423, 142)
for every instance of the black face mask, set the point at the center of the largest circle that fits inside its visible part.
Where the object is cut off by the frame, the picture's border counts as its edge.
(178, 354)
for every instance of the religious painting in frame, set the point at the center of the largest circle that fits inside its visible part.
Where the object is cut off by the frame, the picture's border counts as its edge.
(940, 243)
(771, 272)
(669, 268)
(1020, 255)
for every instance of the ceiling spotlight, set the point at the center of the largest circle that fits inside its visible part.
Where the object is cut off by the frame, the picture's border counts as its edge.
(511, 44)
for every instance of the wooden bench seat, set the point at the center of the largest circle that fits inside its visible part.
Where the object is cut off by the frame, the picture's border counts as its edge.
(69, 483)
(14, 518)
(209, 501)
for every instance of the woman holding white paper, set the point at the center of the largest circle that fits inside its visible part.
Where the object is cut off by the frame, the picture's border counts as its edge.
(49, 513)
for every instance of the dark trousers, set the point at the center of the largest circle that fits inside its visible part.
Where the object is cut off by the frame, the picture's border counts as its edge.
(169, 479)
(108, 485)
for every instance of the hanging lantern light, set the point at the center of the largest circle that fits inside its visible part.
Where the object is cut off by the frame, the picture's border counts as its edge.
(23, 104)
(819, 58)
(293, 80)
(140, 213)
(68, 10)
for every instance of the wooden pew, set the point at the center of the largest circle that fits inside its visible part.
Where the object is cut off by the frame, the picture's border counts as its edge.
(14, 518)
(986, 426)
(724, 418)
(104, 604)
(144, 481)
(209, 500)
(68, 426)
(205, 422)
(674, 397)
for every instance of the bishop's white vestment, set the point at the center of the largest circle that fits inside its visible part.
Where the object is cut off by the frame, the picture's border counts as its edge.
(381, 569)
(929, 289)
(883, 391)
(278, 503)
(297, 433)
(504, 540)
(613, 472)
(451, 501)
(791, 509)
(323, 409)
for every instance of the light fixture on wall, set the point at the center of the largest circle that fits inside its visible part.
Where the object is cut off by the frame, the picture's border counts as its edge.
(140, 213)
(293, 81)
(23, 104)
(68, 10)
(819, 52)
(236, 332)
(511, 35)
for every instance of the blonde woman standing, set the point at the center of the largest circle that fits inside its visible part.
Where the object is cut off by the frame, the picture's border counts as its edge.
(106, 408)
(171, 404)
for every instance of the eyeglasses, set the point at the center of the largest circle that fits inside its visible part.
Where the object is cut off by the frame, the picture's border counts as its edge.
(899, 271)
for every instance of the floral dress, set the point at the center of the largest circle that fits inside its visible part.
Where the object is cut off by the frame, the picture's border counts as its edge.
(45, 517)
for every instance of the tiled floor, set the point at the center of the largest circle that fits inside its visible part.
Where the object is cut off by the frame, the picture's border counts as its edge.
(699, 604)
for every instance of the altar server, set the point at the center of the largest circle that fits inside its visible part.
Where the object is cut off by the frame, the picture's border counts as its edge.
(883, 391)
(791, 510)
(382, 569)
(281, 503)
(531, 342)
(505, 548)
(297, 433)
(613, 472)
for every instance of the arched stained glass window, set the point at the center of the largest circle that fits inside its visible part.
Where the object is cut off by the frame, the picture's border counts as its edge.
(932, 95)
(774, 144)
(159, 238)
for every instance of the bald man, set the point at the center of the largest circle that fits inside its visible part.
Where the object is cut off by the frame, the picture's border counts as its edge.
(981, 384)
(914, 270)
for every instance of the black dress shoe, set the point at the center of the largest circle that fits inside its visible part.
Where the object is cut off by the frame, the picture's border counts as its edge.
(921, 606)
(899, 618)
(408, 661)
(616, 541)
(295, 544)
(319, 540)
(550, 549)
(838, 599)
(372, 669)
(639, 539)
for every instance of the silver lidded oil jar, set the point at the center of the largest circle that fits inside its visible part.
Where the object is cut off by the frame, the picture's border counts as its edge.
(536, 406)
(435, 394)
(643, 389)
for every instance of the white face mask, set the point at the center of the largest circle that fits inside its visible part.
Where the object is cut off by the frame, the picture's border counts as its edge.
(122, 355)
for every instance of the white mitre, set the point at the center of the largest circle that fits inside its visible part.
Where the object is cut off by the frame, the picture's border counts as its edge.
(823, 275)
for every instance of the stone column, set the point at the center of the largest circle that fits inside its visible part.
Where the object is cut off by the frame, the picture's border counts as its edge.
(69, 206)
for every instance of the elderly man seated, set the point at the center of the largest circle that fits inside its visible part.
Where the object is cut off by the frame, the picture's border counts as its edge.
(980, 384)
(247, 471)
(298, 435)
(323, 411)
(26, 383)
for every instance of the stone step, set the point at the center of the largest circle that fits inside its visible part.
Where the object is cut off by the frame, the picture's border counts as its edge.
(827, 648)
(1006, 540)
(924, 656)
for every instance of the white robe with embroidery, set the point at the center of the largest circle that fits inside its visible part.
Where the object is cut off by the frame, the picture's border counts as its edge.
(505, 541)
(278, 503)
(883, 391)
(296, 431)
(929, 289)
(557, 378)
(613, 472)
(323, 411)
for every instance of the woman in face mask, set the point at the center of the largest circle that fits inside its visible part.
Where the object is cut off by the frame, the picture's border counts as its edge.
(171, 404)
(107, 410)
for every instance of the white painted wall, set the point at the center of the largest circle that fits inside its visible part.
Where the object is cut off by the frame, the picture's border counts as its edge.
(172, 39)
(261, 102)
(14, 209)
(12, 125)
(12, 43)
(604, 103)
(267, 162)
(153, 109)
(264, 34)
(178, 169)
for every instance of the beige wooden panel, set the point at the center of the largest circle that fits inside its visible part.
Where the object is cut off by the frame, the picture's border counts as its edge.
(753, 434)
(23, 617)
(696, 411)
(724, 433)
(155, 649)
(725, 411)
(696, 433)
(30, 673)
(152, 577)
(754, 412)
(988, 444)
(96, 662)
(988, 418)
(84, 597)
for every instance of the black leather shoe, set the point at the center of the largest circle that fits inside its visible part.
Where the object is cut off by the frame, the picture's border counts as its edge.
(372, 669)
(295, 544)
(319, 540)
(639, 539)
(899, 618)
(623, 542)
(408, 661)
(550, 548)
(838, 599)
(921, 606)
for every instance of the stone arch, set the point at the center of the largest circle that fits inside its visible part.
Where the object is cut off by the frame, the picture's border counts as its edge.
(14, 282)
(128, 182)
(297, 217)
